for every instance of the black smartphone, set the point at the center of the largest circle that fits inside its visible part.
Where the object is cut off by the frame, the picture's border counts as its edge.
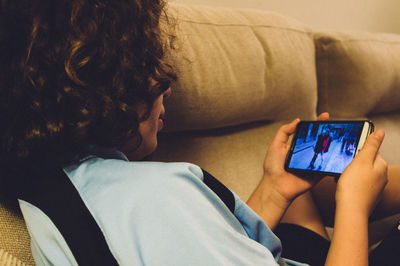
(326, 147)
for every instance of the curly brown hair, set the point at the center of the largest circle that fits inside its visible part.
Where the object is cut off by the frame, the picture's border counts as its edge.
(73, 73)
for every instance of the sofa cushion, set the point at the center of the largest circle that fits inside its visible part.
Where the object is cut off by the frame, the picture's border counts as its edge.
(236, 66)
(390, 122)
(358, 73)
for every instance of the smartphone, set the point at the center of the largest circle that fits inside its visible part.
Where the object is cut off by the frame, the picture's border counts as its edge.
(326, 147)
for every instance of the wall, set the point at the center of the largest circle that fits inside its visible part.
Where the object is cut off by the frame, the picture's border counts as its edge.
(365, 15)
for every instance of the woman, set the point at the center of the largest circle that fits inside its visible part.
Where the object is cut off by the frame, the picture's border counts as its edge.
(82, 85)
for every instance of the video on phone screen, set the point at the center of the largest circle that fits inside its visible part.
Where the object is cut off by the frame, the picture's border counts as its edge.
(325, 147)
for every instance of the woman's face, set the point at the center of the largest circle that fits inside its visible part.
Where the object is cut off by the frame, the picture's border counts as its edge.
(149, 129)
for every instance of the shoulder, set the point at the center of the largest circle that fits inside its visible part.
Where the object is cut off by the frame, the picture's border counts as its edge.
(108, 172)
(106, 183)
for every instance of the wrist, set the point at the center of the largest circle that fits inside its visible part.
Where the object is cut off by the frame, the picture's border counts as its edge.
(284, 190)
(268, 203)
(274, 195)
(350, 203)
(351, 210)
(272, 199)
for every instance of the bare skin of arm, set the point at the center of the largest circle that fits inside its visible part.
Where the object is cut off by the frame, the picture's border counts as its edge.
(358, 191)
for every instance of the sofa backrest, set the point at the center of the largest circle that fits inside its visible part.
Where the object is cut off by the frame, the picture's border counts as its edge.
(237, 66)
(358, 73)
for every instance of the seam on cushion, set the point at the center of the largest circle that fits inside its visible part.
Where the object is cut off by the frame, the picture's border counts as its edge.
(246, 25)
(328, 40)
(322, 79)
(267, 60)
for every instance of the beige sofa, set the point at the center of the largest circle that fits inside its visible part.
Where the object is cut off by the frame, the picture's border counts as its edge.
(242, 73)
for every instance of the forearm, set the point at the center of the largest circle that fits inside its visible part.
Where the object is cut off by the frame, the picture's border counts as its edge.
(349, 244)
(268, 204)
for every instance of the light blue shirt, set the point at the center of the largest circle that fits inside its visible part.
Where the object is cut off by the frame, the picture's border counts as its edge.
(155, 213)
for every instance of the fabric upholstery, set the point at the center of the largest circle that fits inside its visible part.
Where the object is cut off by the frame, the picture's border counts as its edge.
(7, 259)
(238, 66)
(390, 147)
(358, 73)
(14, 238)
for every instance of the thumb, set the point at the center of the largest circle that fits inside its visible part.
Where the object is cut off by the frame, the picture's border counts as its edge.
(372, 145)
(282, 136)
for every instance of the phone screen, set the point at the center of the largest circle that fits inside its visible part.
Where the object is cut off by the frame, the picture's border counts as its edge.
(326, 147)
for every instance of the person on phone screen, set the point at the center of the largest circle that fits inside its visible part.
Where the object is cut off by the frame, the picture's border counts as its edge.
(83, 85)
(345, 141)
(321, 147)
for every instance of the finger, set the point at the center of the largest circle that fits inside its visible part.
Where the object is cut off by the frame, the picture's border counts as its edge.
(372, 145)
(323, 116)
(285, 131)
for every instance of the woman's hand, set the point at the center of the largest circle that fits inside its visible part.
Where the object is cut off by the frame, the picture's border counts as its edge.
(361, 184)
(286, 184)
(279, 188)
(358, 191)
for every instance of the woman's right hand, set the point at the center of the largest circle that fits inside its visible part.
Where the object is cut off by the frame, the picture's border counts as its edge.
(361, 184)
(358, 191)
